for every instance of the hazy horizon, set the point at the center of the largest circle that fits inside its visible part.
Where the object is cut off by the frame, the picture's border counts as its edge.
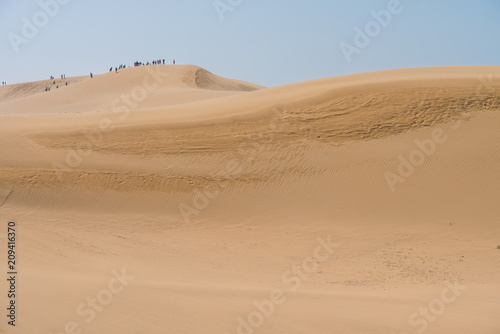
(265, 43)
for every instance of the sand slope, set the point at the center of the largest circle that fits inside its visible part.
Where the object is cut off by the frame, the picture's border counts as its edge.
(208, 191)
(153, 85)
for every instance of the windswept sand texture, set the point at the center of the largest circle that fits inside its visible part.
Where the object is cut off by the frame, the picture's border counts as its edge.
(213, 193)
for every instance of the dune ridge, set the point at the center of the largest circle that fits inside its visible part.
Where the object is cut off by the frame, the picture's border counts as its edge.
(170, 85)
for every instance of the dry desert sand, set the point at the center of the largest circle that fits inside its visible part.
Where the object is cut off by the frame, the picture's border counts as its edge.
(166, 199)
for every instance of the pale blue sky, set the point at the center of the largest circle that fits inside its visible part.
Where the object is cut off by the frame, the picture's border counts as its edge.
(269, 42)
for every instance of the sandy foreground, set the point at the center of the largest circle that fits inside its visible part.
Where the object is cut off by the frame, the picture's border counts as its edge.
(166, 199)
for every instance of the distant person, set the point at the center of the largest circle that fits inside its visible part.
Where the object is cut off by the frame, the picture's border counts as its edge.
(111, 69)
(66, 83)
(116, 69)
(62, 76)
(174, 61)
(91, 75)
(163, 61)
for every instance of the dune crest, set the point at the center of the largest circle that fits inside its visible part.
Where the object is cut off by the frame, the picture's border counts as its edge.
(162, 85)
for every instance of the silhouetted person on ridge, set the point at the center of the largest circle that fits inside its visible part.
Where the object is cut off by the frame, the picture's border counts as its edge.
(91, 75)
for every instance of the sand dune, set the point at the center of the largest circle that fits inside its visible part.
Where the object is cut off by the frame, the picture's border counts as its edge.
(210, 190)
(164, 85)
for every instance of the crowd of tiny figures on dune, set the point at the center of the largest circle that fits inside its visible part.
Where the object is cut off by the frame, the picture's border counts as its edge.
(117, 68)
